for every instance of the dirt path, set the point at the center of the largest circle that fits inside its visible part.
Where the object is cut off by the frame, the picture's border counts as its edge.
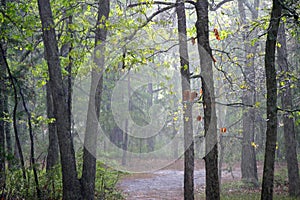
(166, 184)
(162, 184)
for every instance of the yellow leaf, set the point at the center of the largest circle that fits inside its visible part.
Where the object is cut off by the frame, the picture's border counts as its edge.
(254, 145)
(250, 55)
(257, 104)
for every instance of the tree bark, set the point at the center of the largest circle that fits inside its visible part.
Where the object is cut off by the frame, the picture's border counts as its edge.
(187, 106)
(2, 125)
(3, 99)
(248, 163)
(126, 126)
(71, 184)
(150, 140)
(271, 133)
(288, 122)
(90, 138)
(52, 157)
(9, 150)
(212, 189)
(3, 62)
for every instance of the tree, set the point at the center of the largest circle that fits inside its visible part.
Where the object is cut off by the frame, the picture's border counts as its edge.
(288, 121)
(71, 184)
(2, 124)
(90, 138)
(248, 163)
(212, 189)
(271, 133)
(187, 106)
(52, 157)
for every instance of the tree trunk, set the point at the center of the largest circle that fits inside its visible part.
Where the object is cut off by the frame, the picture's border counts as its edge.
(212, 189)
(52, 157)
(71, 184)
(288, 122)
(9, 150)
(2, 125)
(126, 126)
(90, 138)
(248, 164)
(150, 140)
(271, 133)
(3, 62)
(187, 106)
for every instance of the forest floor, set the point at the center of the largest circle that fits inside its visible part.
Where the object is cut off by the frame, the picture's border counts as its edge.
(167, 183)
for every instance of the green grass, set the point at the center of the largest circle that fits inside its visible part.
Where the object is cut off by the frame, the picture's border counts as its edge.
(237, 190)
(252, 196)
(246, 196)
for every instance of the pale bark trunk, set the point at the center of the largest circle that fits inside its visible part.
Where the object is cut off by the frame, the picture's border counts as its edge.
(212, 189)
(248, 163)
(90, 138)
(187, 106)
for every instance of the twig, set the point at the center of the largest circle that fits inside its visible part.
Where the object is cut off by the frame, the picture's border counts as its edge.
(238, 104)
(214, 7)
(147, 3)
(288, 110)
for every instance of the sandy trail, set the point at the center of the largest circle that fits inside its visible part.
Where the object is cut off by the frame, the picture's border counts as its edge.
(167, 184)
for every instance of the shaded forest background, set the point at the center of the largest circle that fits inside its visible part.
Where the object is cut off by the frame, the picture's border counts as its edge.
(93, 90)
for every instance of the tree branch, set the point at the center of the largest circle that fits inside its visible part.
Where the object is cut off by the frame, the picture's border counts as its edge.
(214, 7)
(252, 10)
(146, 3)
(288, 110)
(234, 104)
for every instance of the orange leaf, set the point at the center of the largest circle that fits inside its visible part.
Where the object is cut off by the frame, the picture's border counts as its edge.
(217, 34)
(193, 40)
(223, 130)
(199, 118)
(201, 91)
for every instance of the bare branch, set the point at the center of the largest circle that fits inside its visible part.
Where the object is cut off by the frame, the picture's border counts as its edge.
(154, 2)
(288, 110)
(149, 19)
(163, 51)
(235, 104)
(214, 7)
(191, 2)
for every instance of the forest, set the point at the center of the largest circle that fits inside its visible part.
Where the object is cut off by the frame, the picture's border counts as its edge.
(146, 99)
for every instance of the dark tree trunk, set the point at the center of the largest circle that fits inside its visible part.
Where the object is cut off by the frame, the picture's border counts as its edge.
(52, 157)
(248, 164)
(288, 122)
(90, 138)
(3, 62)
(187, 106)
(29, 125)
(2, 124)
(71, 184)
(271, 133)
(210, 119)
